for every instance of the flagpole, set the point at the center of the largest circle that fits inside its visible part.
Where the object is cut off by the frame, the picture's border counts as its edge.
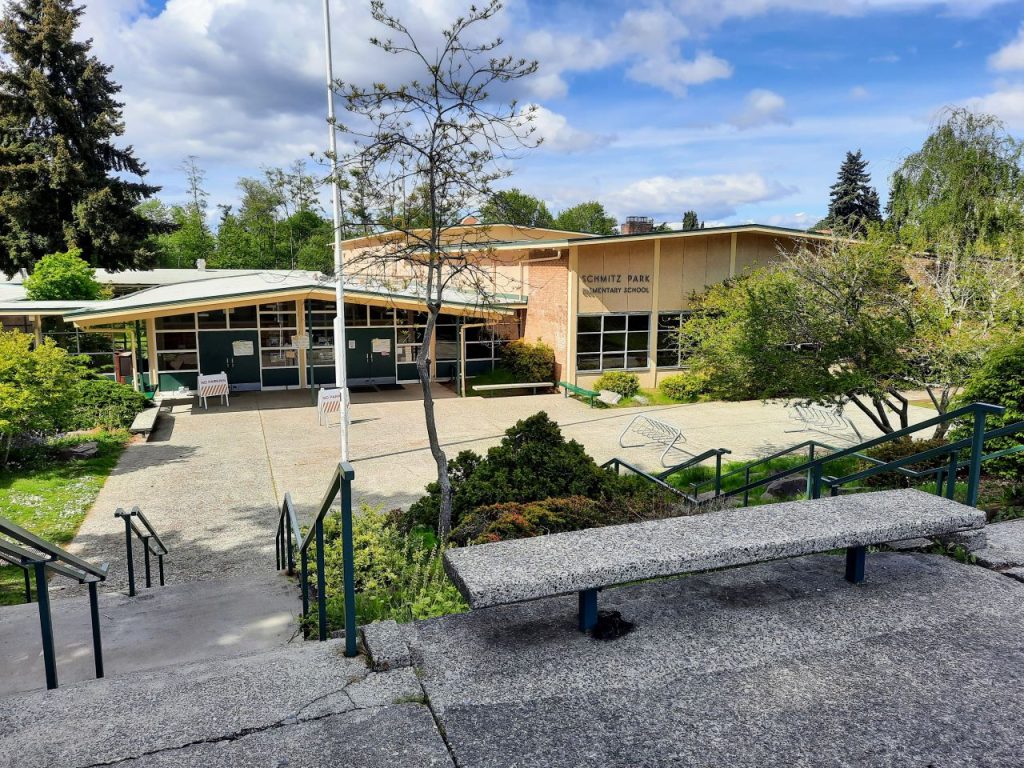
(340, 373)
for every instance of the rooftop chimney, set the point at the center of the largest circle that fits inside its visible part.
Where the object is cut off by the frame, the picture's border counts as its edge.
(636, 225)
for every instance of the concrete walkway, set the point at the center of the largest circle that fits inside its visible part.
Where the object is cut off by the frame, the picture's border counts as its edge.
(777, 664)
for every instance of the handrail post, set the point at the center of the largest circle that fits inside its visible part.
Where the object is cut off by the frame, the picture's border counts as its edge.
(977, 449)
(277, 541)
(130, 556)
(160, 565)
(746, 482)
(304, 578)
(951, 475)
(145, 551)
(45, 624)
(810, 472)
(814, 491)
(321, 587)
(290, 550)
(97, 644)
(718, 474)
(939, 482)
(348, 557)
(28, 585)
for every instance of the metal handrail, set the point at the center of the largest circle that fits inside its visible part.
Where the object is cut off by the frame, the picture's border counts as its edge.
(617, 463)
(147, 537)
(39, 555)
(289, 535)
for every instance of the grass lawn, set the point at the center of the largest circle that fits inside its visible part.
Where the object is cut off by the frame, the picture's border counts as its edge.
(653, 396)
(50, 496)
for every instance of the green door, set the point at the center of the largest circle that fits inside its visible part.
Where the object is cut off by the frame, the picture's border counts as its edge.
(370, 355)
(236, 353)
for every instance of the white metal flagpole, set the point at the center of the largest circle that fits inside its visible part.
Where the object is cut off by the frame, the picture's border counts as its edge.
(340, 346)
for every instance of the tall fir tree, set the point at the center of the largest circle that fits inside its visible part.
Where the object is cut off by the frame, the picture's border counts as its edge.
(63, 182)
(690, 221)
(853, 202)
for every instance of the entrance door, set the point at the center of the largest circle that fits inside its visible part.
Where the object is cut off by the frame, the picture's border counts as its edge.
(237, 353)
(370, 357)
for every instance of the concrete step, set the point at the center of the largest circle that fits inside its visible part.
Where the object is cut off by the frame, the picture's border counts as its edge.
(300, 705)
(158, 627)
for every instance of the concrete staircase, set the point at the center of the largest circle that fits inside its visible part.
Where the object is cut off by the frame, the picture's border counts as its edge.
(176, 624)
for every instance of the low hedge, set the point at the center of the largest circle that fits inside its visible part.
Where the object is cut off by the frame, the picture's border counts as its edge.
(529, 362)
(104, 403)
(625, 384)
(684, 387)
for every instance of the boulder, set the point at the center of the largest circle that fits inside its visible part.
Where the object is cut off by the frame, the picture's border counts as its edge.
(81, 451)
(786, 487)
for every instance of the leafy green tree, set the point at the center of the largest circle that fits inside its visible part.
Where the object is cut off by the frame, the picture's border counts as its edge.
(589, 217)
(853, 202)
(38, 386)
(64, 277)
(828, 325)
(513, 206)
(690, 221)
(962, 193)
(63, 181)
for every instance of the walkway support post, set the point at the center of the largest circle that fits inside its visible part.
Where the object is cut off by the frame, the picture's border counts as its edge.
(348, 559)
(45, 624)
(321, 585)
(97, 643)
(977, 449)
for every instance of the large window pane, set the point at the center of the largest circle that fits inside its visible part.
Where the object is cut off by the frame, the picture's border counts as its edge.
(614, 342)
(176, 340)
(278, 358)
(639, 322)
(243, 317)
(588, 362)
(213, 319)
(382, 316)
(275, 338)
(613, 361)
(637, 341)
(636, 360)
(176, 322)
(588, 342)
(614, 323)
(588, 324)
(177, 361)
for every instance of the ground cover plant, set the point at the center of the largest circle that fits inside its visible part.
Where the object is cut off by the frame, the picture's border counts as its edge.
(50, 495)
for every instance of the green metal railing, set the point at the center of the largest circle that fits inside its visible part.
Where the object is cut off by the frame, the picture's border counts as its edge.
(977, 412)
(151, 543)
(31, 553)
(617, 465)
(290, 538)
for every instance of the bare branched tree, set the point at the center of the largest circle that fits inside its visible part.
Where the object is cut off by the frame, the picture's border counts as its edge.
(425, 154)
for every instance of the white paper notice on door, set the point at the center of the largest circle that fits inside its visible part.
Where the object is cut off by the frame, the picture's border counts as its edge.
(242, 348)
(351, 343)
(382, 346)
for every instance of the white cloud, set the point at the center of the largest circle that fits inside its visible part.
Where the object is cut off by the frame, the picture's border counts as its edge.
(859, 93)
(761, 107)
(675, 74)
(1011, 56)
(715, 196)
(1006, 104)
(559, 136)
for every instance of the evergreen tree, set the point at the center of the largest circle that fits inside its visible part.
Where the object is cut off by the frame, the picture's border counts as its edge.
(853, 202)
(513, 206)
(690, 221)
(62, 179)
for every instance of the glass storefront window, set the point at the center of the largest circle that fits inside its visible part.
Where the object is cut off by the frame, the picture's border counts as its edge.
(612, 342)
(174, 340)
(279, 358)
(176, 322)
(671, 352)
(243, 317)
(213, 320)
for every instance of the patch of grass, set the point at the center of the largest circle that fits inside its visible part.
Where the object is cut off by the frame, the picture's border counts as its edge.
(497, 376)
(924, 403)
(50, 496)
(653, 396)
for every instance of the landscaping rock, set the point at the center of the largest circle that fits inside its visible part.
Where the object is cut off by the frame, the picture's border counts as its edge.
(81, 451)
(1004, 545)
(641, 400)
(786, 487)
(386, 645)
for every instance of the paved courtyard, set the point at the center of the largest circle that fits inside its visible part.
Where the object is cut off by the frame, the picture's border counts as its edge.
(211, 480)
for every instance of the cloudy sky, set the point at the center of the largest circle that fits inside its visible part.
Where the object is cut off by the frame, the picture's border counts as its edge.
(740, 109)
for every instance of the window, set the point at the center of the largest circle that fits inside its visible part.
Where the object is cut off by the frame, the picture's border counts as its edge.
(243, 317)
(672, 351)
(321, 330)
(177, 348)
(213, 320)
(277, 327)
(612, 342)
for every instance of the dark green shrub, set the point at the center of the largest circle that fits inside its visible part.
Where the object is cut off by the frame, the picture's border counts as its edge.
(999, 380)
(512, 520)
(529, 362)
(684, 387)
(105, 403)
(897, 449)
(533, 462)
(625, 384)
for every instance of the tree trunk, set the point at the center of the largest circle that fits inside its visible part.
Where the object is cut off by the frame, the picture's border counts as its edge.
(444, 518)
(941, 404)
(902, 410)
(878, 416)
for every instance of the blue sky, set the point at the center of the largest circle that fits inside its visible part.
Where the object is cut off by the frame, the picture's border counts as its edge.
(740, 109)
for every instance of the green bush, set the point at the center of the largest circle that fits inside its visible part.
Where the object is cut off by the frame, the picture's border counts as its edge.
(532, 462)
(513, 520)
(625, 384)
(897, 449)
(104, 403)
(999, 380)
(399, 575)
(684, 387)
(529, 362)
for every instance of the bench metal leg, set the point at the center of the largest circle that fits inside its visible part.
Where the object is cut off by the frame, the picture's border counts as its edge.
(588, 609)
(855, 557)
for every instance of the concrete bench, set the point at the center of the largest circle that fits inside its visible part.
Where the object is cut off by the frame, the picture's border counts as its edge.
(589, 394)
(534, 385)
(589, 560)
(145, 421)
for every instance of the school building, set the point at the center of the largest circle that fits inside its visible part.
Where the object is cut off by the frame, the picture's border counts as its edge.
(603, 303)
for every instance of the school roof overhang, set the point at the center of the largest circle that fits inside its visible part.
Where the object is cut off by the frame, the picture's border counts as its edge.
(228, 292)
(42, 308)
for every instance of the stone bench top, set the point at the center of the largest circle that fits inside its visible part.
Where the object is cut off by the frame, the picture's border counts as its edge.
(526, 569)
(144, 421)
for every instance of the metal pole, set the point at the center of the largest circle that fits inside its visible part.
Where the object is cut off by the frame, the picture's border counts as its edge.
(130, 555)
(304, 560)
(977, 449)
(94, 613)
(951, 477)
(46, 624)
(348, 565)
(145, 551)
(340, 373)
(28, 586)
(321, 586)
(160, 562)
